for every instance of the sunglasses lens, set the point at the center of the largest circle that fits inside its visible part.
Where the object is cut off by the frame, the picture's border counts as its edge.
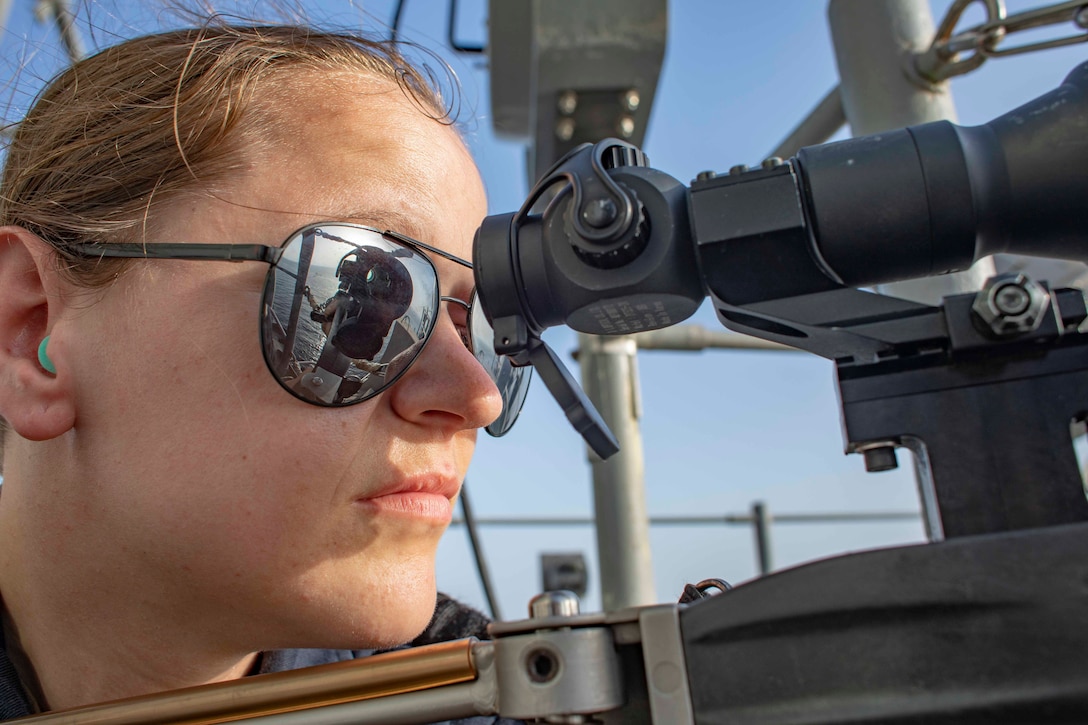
(512, 382)
(345, 311)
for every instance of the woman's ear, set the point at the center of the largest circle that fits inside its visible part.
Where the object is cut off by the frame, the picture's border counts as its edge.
(37, 404)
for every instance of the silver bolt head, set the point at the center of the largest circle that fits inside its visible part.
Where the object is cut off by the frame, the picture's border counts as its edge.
(558, 603)
(567, 102)
(631, 100)
(564, 129)
(772, 162)
(627, 127)
(1011, 300)
(1011, 304)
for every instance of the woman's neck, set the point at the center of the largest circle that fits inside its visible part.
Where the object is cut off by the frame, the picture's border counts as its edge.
(93, 634)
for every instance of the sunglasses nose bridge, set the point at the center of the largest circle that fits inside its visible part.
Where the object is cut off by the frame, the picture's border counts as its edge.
(458, 301)
(464, 330)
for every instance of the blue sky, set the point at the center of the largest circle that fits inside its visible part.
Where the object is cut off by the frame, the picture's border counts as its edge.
(721, 429)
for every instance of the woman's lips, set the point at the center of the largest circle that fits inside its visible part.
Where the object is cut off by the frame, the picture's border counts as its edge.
(426, 498)
(417, 504)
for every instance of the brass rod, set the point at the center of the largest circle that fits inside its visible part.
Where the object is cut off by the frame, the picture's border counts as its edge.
(391, 673)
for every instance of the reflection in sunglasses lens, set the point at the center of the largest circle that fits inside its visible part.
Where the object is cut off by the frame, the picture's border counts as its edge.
(512, 382)
(346, 310)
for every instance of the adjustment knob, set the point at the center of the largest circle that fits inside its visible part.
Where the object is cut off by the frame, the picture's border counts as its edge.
(616, 250)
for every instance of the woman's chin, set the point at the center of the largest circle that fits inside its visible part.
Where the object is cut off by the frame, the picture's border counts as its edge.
(379, 611)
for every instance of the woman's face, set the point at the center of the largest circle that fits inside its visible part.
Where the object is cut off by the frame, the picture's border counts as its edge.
(261, 519)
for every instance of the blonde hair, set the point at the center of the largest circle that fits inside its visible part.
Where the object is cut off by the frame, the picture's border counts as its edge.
(125, 129)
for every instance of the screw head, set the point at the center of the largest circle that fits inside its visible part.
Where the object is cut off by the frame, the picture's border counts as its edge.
(1011, 299)
(738, 169)
(772, 162)
(599, 213)
(631, 100)
(1011, 304)
(564, 129)
(627, 127)
(567, 102)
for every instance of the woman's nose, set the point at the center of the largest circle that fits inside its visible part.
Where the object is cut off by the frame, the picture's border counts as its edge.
(447, 386)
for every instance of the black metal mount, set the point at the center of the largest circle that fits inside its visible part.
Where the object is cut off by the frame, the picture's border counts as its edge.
(989, 417)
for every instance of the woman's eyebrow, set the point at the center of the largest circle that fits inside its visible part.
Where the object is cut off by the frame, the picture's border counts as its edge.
(388, 220)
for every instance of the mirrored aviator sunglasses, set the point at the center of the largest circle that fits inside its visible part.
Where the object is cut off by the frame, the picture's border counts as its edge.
(346, 310)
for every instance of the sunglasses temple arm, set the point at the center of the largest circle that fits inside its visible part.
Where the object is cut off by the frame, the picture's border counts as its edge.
(572, 399)
(427, 248)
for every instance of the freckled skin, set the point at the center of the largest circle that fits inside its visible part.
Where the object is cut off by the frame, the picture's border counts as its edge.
(204, 510)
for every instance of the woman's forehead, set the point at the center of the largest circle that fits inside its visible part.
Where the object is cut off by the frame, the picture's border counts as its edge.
(361, 151)
(298, 105)
(325, 87)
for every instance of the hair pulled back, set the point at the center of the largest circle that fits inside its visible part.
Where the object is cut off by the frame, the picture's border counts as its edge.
(124, 129)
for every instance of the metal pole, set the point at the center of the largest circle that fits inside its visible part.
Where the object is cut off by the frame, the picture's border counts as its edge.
(823, 122)
(829, 517)
(875, 41)
(761, 525)
(697, 337)
(61, 13)
(5, 11)
(478, 554)
(610, 379)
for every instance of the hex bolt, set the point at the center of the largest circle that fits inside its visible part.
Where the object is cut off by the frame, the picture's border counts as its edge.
(772, 162)
(627, 127)
(564, 129)
(631, 100)
(567, 102)
(738, 169)
(706, 175)
(1010, 304)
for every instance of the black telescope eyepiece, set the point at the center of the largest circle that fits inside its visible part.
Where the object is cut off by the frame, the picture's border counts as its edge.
(579, 259)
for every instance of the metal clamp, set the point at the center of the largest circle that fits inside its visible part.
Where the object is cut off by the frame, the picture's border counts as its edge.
(559, 674)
